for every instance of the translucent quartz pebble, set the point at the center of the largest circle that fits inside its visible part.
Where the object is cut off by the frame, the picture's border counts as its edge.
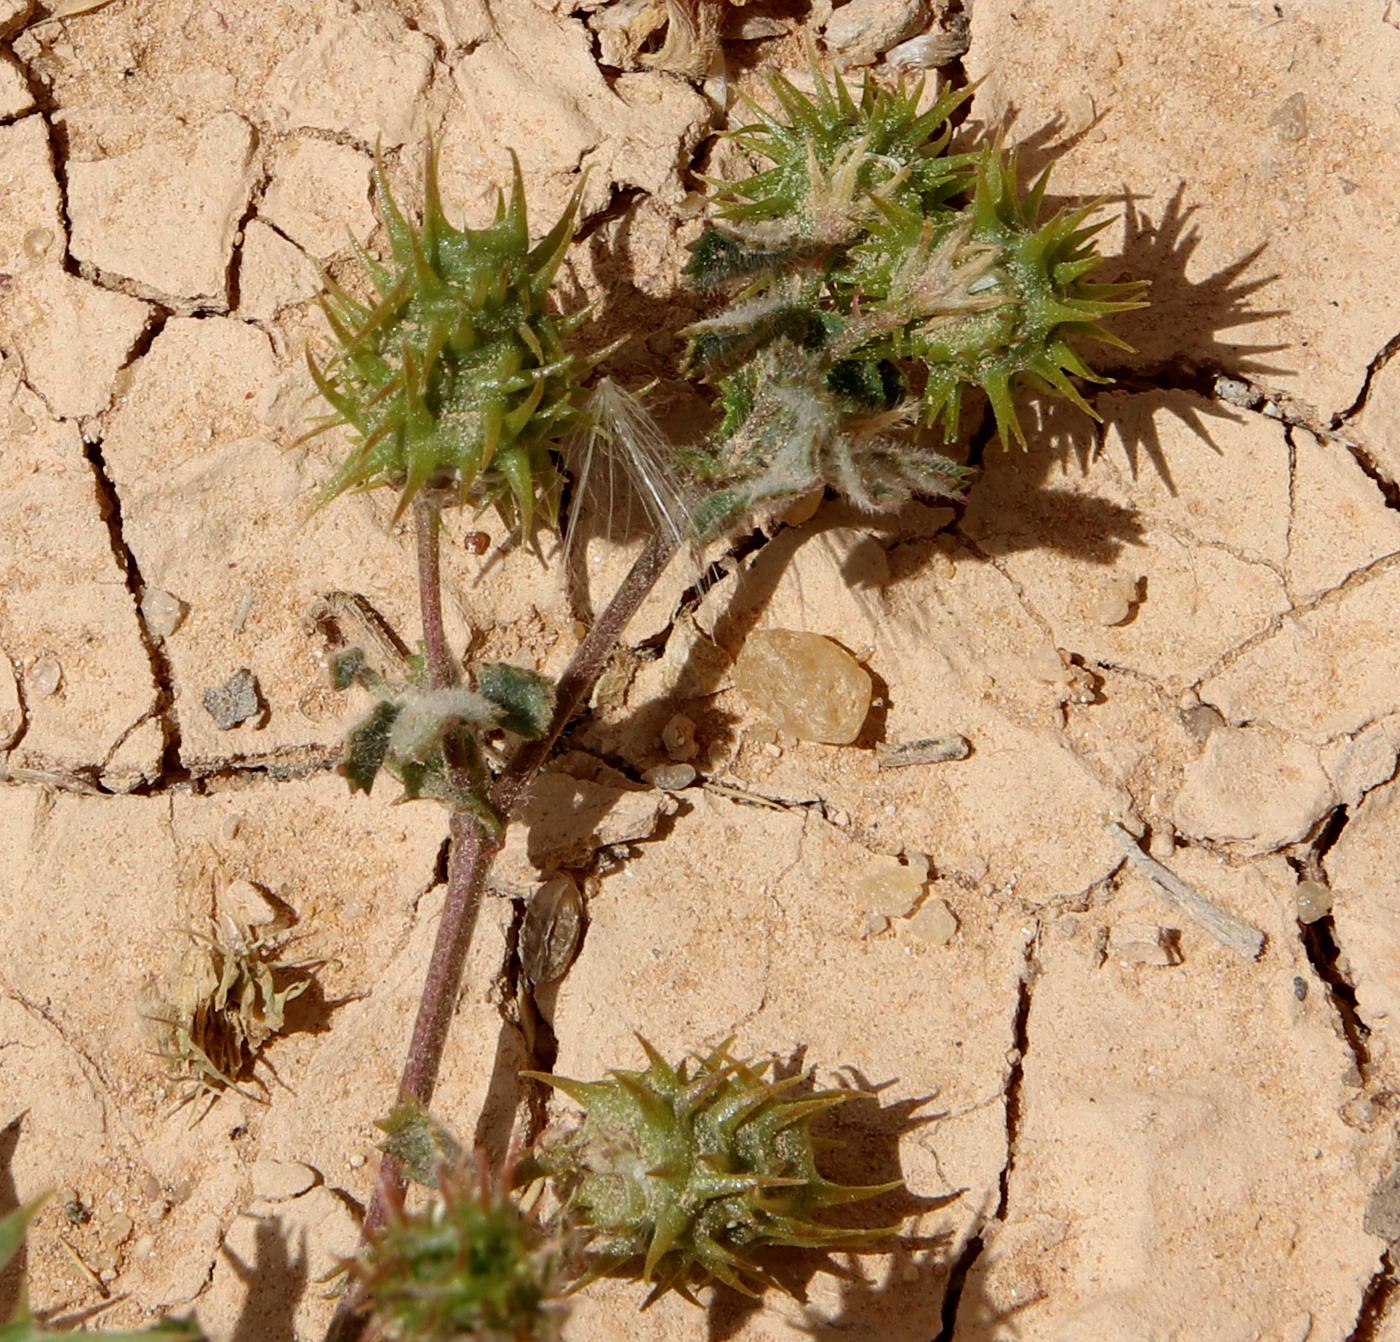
(162, 612)
(934, 923)
(1117, 602)
(890, 890)
(804, 683)
(45, 676)
(549, 939)
(1314, 901)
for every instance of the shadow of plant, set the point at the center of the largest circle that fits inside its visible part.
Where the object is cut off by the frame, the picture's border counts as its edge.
(276, 1281)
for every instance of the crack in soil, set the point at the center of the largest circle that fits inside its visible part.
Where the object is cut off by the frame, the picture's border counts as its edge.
(1324, 951)
(233, 271)
(109, 506)
(1383, 357)
(1375, 1301)
(1357, 578)
(974, 1245)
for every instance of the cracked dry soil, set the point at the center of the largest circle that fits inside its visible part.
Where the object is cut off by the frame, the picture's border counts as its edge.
(1110, 1126)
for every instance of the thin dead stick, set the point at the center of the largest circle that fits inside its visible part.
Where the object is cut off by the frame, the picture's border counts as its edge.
(1227, 930)
(472, 850)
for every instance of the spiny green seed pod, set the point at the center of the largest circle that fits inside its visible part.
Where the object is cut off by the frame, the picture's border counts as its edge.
(456, 377)
(468, 1266)
(690, 1174)
(1033, 278)
(873, 279)
(831, 159)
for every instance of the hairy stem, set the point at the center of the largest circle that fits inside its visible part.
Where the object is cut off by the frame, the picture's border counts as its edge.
(584, 668)
(473, 850)
(427, 535)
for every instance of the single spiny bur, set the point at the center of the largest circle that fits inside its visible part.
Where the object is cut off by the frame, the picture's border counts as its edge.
(469, 1265)
(689, 1173)
(830, 157)
(1034, 278)
(455, 376)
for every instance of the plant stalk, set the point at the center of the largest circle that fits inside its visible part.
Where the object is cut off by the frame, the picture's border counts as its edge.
(472, 848)
(589, 661)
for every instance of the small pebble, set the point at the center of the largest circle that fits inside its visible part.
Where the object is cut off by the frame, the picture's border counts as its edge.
(235, 701)
(162, 612)
(118, 1229)
(1118, 602)
(1079, 114)
(861, 29)
(753, 27)
(1314, 901)
(875, 924)
(1290, 118)
(356, 1162)
(807, 684)
(1201, 721)
(1162, 843)
(144, 1247)
(37, 243)
(150, 1187)
(45, 676)
(248, 903)
(671, 777)
(1235, 392)
(240, 616)
(232, 824)
(1046, 663)
(935, 923)
(890, 889)
(678, 738)
(1140, 944)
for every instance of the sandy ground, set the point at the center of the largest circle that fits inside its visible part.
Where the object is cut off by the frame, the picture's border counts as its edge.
(1110, 1125)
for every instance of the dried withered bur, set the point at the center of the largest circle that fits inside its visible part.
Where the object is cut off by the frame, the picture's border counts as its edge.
(225, 998)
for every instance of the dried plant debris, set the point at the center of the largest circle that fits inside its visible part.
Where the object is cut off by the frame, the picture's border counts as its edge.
(226, 999)
(688, 32)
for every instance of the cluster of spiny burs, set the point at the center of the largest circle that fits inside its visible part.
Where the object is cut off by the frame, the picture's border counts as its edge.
(681, 1175)
(873, 277)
